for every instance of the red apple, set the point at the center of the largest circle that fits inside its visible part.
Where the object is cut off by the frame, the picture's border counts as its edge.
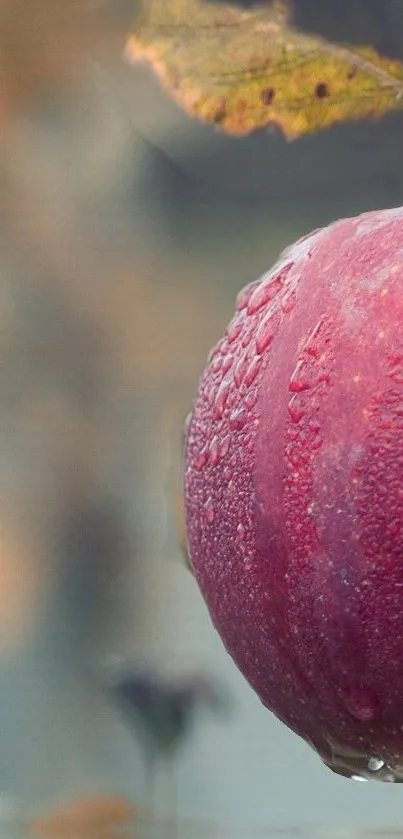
(294, 491)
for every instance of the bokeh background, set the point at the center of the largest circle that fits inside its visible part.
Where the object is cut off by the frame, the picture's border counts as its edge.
(127, 229)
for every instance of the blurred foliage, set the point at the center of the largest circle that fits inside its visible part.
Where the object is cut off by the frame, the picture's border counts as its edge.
(245, 69)
(89, 817)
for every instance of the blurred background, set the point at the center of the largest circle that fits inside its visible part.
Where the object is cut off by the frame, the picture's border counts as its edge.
(127, 229)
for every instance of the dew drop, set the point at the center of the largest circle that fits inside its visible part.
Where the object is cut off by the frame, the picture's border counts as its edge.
(375, 763)
(209, 510)
(311, 345)
(237, 419)
(220, 400)
(241, 531)
(234, 329)
(240, 369)
(316, 444)
(264, 293)
(252, 370)
(244, 295)
(224, 445)
(202, 459)
(247, 337)
(216, 364)
(227, 363)
(358, 778)
(288, 302)
(214, 452)
(364, 705)
(298, 385)
(295, 410)
(267, 331)
(299, 380)
(250, 399)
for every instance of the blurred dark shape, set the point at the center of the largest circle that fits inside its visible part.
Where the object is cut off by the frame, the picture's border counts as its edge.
(165, 712)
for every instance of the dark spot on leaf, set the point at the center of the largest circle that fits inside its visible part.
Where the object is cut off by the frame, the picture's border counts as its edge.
(321, 90)
(267, 95)
(352, 73)
(220, 114)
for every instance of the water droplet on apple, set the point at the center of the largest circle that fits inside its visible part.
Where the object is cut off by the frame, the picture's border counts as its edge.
(216, 364)
(220, 400)
(234, 329)
(267, 290)
(298, 385)
(209, 510)
(202, 459)
(375, 763)
(250, 399)
(248, 335)
(227, 363)
(214, 452)
(295, 409)
(237, 419)
(288, 302)
(266, 331)
(252, 370)
(245, 294)
(240, 531)
(362, 704)
(240, 369)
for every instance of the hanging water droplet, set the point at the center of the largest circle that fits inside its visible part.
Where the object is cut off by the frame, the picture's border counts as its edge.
(375, 763)
(358, 778)
(209, 510)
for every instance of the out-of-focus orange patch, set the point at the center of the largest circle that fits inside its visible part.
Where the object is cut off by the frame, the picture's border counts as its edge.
(87, 817)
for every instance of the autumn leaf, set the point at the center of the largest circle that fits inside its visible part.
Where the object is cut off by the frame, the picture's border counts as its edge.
(249, 69)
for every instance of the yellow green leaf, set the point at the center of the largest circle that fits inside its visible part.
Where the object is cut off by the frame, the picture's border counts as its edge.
(248, 69)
